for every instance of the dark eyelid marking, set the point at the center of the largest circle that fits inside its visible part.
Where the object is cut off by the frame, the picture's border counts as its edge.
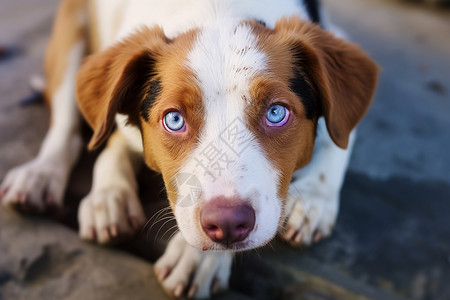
(153, 92)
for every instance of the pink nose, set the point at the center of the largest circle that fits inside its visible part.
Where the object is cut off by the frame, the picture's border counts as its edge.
(227, 224)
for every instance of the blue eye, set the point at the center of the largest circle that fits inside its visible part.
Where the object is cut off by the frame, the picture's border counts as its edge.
(277, 115)
(173, 121)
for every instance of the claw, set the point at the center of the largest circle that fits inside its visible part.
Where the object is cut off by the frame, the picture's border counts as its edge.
(179, 290)
(22, 198)
(3, 192)
(317, 236)
(298, 238)
(114, 231)
(49, 200)
(108, 233)
(162, 274)
(215, 286)
(192, 291)
(289, 234)
(134, 223)
(92, 233)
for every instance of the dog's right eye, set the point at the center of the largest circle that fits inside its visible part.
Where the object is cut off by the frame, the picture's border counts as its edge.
(173, 122)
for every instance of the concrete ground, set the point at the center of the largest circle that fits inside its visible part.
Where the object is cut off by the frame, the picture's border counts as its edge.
(392, 237)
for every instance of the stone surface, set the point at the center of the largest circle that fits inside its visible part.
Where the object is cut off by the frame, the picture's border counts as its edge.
(43, 260)
(391, 240)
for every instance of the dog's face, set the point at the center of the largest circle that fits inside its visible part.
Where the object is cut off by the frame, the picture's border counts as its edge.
(227, 114)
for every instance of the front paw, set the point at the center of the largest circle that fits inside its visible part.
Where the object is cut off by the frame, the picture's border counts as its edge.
(110, 215)
(36, 186)
(185, 270)
(310, 214)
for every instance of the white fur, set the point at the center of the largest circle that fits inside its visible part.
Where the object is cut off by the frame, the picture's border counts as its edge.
(113, 199)
(118, 19)
(50, 170)
(225, 59)
(132, 134)
(313, 199)
(109, 15)
(181, 262)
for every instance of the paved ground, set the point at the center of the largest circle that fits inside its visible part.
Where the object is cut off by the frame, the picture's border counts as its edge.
(392, 238)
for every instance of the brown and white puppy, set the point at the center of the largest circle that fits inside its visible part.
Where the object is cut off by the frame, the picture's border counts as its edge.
(246, 108)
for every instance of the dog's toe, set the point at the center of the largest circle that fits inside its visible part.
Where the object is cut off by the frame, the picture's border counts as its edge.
(310, 218)
(109, 216)
(37, 186)
(187, 271)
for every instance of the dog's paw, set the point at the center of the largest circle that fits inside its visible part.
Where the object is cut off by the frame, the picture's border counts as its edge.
(187, 271)
(110, 215)
(310, 214)
(36, 186)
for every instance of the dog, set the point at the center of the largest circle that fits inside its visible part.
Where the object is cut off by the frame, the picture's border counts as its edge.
(247, 108)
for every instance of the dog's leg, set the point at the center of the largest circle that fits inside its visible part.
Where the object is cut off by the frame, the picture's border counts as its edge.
(112, 209)
(40, 183)
(312, 203)
(185, 270)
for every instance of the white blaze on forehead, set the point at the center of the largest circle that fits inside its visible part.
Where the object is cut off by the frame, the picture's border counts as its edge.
(228, 160)
(226, 57)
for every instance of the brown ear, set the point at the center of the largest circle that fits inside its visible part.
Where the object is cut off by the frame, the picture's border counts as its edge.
(115, 81)
(342, 77)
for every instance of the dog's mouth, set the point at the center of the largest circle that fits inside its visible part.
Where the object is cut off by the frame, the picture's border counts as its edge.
(235, 247)
(246, 245)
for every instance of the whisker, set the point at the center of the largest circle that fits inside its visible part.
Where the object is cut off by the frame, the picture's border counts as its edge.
(257, 253)
(163, 190)
(272, 246)
(157, 233)
(162, 218)
(171, 228)
(160, 241)
(156, 214)
(156, 221)
(175, 232)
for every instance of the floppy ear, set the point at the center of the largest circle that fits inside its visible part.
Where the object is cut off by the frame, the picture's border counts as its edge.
(116, 80)
(343, 78)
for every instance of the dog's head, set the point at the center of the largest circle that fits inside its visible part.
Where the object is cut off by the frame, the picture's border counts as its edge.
(227, 113)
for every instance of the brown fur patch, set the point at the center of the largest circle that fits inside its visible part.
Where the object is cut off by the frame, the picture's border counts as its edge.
(117, 81)
(166, 151)
(288, 147)
(94, 35)
(67, 31)
(342, 77)
(113, 81)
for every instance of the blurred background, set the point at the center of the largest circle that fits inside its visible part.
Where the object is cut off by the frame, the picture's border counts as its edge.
(392, 240)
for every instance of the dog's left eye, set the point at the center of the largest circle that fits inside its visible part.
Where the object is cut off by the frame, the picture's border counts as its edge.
(277, 115)
(173, 122)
